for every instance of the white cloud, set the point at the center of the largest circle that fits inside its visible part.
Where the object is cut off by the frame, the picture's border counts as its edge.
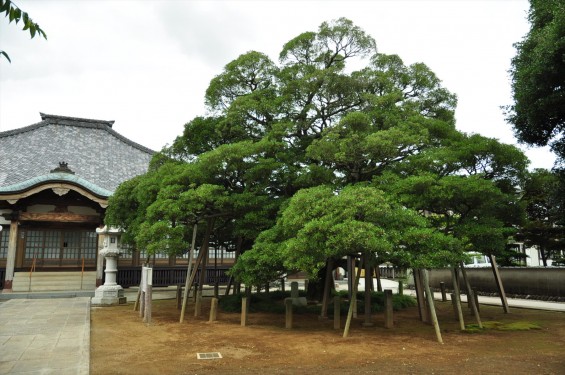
(147, 64)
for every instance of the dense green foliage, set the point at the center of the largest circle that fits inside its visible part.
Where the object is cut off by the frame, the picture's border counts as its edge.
(308, 160)
(545, 224)
(538, 78)
(274, 302)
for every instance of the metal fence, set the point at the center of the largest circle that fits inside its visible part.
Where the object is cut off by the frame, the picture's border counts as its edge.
(165, 276)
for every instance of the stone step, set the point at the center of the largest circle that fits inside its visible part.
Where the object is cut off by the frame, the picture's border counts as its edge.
(53, 281)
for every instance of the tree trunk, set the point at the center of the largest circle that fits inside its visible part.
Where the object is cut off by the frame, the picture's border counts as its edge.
(543, 255)
(328, 286)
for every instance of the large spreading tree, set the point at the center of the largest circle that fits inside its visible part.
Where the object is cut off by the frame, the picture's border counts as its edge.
(294, 157)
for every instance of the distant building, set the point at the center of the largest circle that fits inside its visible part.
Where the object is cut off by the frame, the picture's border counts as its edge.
(55, 180)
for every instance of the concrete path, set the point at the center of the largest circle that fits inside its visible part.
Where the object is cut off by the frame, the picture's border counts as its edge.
(45, 336)
(512, 302)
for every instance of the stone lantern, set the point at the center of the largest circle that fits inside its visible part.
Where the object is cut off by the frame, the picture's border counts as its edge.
(110, 293)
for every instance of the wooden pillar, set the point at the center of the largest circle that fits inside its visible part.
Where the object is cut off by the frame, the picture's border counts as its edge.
(213, 310)
(368, 283)
(179, 296)
(11, 257)
(350, 275)
(244, 308)
(337, 312)
(389, 321)
(198, 304)
(288, 313)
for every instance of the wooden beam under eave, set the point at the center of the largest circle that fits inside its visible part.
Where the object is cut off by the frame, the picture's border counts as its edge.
(68, 217)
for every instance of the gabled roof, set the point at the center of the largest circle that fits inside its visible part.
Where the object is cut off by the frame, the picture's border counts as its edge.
(100, 157)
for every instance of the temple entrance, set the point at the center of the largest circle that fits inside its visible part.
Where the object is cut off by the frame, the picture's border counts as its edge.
(58, 248)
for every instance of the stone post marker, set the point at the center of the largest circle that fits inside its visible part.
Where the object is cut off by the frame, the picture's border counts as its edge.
(110, 293)
(296, 300)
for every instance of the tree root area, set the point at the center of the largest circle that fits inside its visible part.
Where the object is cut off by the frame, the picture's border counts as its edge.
(122, 344)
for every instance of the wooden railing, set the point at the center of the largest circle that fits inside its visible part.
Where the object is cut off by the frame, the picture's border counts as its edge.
(392, 272)
(166, 276)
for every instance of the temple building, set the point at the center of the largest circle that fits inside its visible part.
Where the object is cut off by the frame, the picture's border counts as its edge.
(55, 180)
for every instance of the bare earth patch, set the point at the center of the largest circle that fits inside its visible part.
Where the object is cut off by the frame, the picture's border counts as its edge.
(122, 344)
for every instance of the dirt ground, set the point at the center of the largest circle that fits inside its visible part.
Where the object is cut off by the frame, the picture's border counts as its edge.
(122, 344)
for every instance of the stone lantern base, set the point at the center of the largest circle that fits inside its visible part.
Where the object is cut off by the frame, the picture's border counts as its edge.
(108, 295)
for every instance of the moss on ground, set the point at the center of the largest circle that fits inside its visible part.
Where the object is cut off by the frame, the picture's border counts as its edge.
(499, 326)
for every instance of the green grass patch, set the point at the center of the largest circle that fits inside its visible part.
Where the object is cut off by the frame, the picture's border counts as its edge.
(273, 302)
(499, 326)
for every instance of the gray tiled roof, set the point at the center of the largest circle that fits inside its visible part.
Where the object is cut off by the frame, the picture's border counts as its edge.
(93, 150)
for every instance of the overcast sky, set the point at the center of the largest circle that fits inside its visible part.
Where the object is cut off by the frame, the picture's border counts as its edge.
(147, 64)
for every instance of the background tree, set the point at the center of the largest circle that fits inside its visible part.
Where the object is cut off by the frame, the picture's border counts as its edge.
(545, 226)
(538, 78)
(14, 13)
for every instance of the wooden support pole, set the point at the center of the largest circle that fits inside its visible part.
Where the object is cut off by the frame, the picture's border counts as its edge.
(136, 304)
(179, 296)
(430, 299)
(350, 275)
(198, 304)
(470, 296)
(389, 322)
(422, 309)
(499, 284)
(213, 310)
(148, 303)
(368, 284)
(142, 305)
(378, 277)
(456, 298)
(244, 307)
(288, 313)
(353, 300)
(188, 272)
(476, 297)
(337, 312)
(443, 292)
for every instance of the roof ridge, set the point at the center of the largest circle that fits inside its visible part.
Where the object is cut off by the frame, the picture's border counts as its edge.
(25, 129)
(78, 122)
(47, 117)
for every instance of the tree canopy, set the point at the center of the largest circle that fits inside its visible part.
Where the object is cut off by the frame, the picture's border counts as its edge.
(307, 160)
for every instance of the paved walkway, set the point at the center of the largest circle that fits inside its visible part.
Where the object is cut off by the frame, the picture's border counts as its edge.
(45, 336)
